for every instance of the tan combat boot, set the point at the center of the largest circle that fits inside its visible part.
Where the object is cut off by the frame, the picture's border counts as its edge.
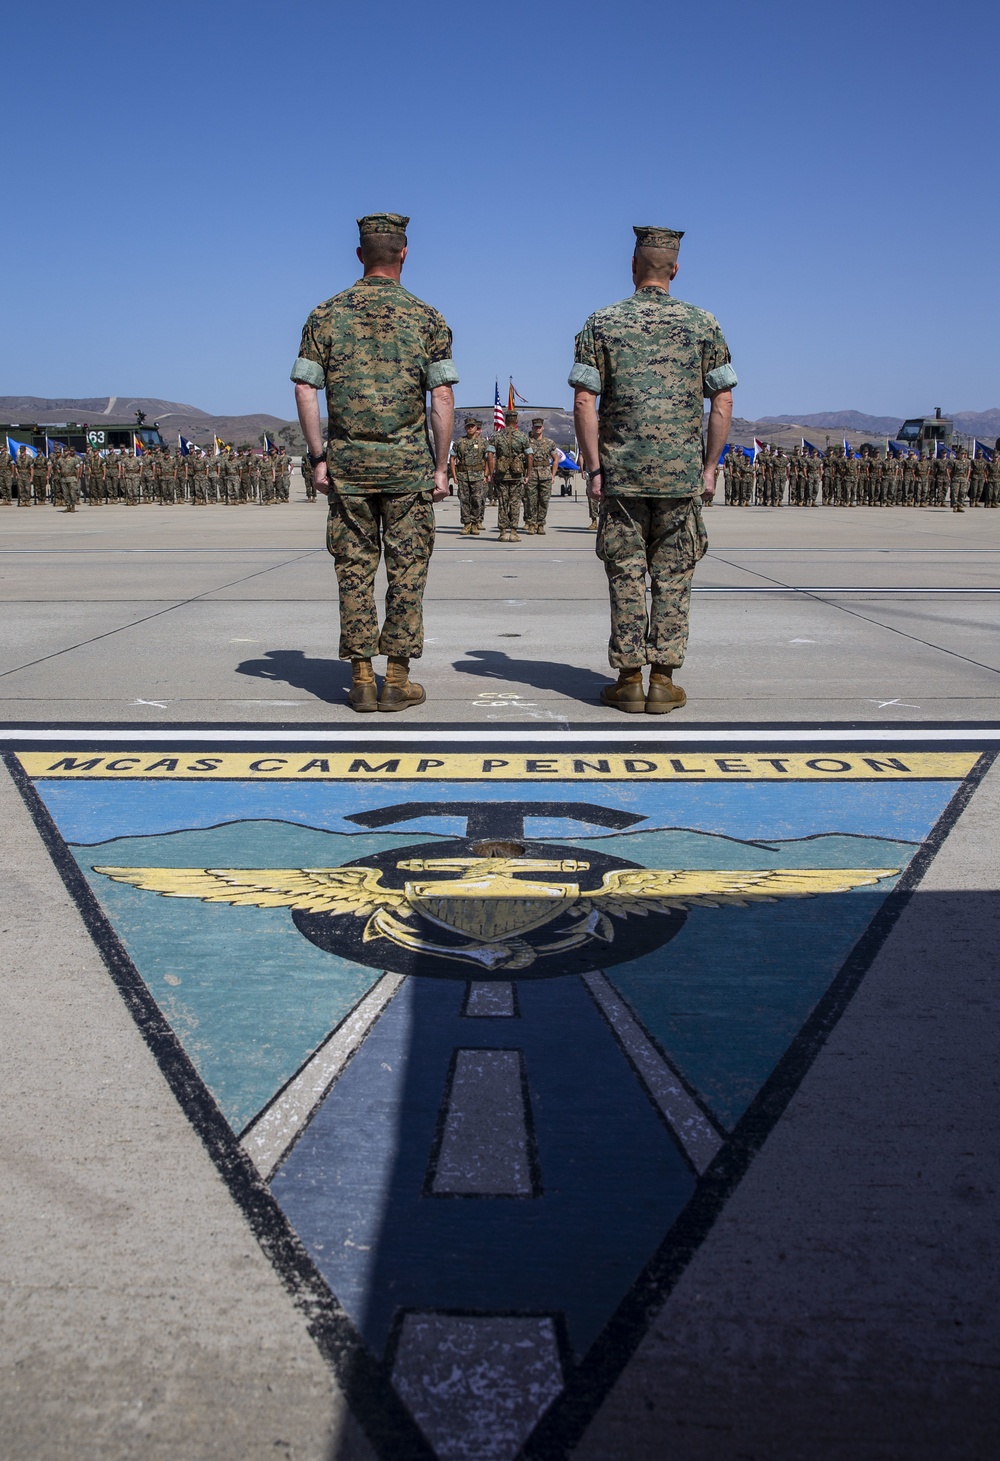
(628, 694)
(362, 695)
(513, 537)
(398, 690)
(503, 537)
(663, 695)
(476, 530)
(540, 530)
(467, 530)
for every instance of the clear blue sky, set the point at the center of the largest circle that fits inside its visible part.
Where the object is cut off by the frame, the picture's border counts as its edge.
(183, 181)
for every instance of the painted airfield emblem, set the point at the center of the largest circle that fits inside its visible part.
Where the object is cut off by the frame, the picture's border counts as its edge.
(482, 1058)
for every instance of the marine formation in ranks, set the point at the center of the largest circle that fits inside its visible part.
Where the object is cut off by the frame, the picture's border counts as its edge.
(839, 479)
(158, 476)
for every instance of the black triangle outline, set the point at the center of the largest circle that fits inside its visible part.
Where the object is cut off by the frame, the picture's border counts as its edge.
(388, 1425)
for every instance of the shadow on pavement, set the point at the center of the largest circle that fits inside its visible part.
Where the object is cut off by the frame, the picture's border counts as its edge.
(326, 679)
(540, 674)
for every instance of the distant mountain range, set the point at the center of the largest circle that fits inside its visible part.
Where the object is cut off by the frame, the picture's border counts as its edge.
(201, 426)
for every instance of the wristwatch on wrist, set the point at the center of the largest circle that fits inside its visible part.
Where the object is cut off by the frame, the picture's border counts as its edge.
(315, 461)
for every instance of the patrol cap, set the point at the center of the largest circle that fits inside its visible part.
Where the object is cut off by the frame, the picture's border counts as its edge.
(538, 420)
(473, 421)
(648, 237)
(510, 415)
(382, 223)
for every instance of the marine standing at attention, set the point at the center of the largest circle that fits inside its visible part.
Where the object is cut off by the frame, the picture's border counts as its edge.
(468, 469)
(652, 360)
(510, 450)
(541, 474)
(378, 350)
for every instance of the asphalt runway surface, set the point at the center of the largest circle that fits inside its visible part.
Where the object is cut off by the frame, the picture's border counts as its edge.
(511, 1079)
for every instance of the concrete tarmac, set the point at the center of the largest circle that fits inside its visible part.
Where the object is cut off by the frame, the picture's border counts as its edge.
(844, 1304)
(229, 614)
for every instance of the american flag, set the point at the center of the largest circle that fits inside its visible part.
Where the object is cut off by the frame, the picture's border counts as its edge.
(497, 409)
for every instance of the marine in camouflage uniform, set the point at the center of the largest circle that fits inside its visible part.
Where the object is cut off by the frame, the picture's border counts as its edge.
(305, 467)
(198, 474)
(653, 360)
(131, 469)
(94, 468)
(377, 350)
(510, 451)
(265, 480)
(959, 480)
(66, 479)
(977, 479)
(40, 479)
(230, 478)
(6, 478)
(468, 464)
(814, 478)
(149, 476)
(541, 471)
(993, 480)
(22, 476)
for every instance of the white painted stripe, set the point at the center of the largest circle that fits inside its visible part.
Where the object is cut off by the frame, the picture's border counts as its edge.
(685, 1117)
(490, 999)
(269, 1137)
(489, 735)
(793, 588)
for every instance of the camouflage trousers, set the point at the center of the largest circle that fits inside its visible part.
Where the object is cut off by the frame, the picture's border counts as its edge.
(359, 531)
(508, 503)
(472, 501)
(663, 537)
(536, 501)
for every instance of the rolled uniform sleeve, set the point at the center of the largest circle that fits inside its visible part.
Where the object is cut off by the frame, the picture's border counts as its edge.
(716, 371)
(587, 361)
(310, 367)
(441, 368)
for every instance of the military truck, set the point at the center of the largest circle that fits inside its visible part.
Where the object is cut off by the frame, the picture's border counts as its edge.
(109, 436)
(926, 433)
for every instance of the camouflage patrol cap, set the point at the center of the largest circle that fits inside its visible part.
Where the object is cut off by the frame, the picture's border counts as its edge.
(538, 420)
(510, 415)
(648, 237)
(473, 421)
(382, 223)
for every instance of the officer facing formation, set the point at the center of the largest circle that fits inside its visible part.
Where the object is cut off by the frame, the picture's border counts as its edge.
(469, 466)
(510, 454)
(377, 350)
(652, 360)
(541, 471)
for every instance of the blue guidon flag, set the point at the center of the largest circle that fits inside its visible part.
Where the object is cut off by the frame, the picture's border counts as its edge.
(16, 447)
(183, 445)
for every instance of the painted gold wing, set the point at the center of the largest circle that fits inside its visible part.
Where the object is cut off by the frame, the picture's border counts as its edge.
(658, 890)
(356, 890)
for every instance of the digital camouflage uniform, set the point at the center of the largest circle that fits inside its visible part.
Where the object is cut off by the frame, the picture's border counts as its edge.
(131, 476)
(66, 480)
(512, 452)
(198, 469)
(6, 478)
(378, 350)
(469, 465)
(23, 475)
(959, 480)
(94, 468)
(40, 480)
(993, 481)
(977, 480)
(230, 478)
(539, 487)
(652, 359)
